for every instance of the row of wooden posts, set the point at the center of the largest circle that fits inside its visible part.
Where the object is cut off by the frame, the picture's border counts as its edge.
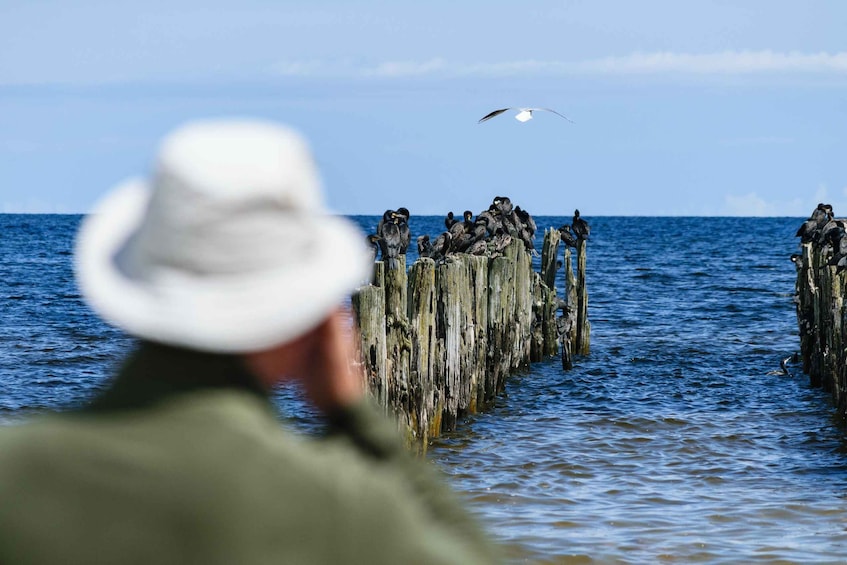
(439, 340)
(821, 318)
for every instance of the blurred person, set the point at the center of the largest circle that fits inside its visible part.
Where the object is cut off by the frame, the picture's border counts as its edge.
(229, 271)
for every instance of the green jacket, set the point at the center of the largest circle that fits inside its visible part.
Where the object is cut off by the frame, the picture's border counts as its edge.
(182, 460)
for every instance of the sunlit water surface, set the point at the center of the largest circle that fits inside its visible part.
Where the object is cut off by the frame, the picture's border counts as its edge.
(670, 442)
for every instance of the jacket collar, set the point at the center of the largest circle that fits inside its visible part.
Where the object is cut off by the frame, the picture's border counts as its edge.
(154, 372)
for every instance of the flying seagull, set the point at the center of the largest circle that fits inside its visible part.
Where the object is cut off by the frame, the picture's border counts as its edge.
(524, 115)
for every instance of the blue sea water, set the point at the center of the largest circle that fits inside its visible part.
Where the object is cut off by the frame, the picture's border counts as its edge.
(670, 442)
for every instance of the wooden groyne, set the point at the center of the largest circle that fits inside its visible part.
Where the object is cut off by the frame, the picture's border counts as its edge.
(819, 298)
(439, 339)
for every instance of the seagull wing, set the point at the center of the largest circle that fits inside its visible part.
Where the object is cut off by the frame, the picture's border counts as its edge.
(555, 112)
(492, 114)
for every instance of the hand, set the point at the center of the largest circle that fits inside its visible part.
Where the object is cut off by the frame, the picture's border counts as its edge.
(328, 378)
(320, 360)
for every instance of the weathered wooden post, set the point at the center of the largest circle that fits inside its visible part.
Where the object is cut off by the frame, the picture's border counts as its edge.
(521, 339)
(440, 340)
(805, 307)
(583, 326)
(567, 323)
(500, 316)
(453, 313)
(426, 400)
(369, 307)
(550, 256)
(536, 350)
(478, 357)
(398, 341)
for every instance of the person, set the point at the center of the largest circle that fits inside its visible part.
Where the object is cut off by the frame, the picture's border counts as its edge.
(230, 272)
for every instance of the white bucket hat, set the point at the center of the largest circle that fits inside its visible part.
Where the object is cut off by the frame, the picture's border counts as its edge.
(226, 248)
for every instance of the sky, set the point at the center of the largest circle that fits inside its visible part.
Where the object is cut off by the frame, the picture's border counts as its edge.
(696, 108)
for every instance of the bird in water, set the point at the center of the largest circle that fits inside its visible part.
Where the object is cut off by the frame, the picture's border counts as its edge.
(523, 115)
(579, 226)
(783, 369)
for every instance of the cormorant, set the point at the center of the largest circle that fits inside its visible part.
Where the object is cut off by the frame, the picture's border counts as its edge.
(810, 229)
(424, 246)
(449, 220)
(373, 242)
(479, 247)
(580, 227)
(391, 243)
(490, 219)
(567, 236)
(401, 218)
(525, 228)
(783, 370)
(501, 241)
(441, 246)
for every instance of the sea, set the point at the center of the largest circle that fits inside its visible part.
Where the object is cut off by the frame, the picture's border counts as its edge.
(672, 441)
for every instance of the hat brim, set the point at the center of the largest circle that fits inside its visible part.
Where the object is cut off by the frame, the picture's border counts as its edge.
(261, 311)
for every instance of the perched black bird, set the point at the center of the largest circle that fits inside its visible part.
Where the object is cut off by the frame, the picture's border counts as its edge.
(391, 242)
(501, 241)
(441, 246)
(526, 219)
(525, 228)
(490, 218)
(811, 229)
(373, 244)
(832, 232)
(503, 204)
(472, 234)
(449, 220)
(424, 246)
(568, 238)
(479, 247)
(579, 226)
(401, 218)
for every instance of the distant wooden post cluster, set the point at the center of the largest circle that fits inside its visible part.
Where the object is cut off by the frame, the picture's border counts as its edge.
(439, 340)
(820, 316)
(819, 298)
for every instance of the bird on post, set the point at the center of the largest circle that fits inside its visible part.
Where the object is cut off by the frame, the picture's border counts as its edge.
(523, 115)
(566, 236)
(579, 226)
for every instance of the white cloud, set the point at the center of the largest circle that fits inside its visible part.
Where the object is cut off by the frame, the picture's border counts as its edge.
(726, 62)
(656, 63)
(408, 68)
(751, 204)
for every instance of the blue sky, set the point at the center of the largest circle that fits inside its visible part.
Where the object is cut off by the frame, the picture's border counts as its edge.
(680, 108)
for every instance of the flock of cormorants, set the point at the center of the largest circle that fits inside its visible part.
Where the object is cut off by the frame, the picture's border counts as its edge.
(488, 234)
(823, 229)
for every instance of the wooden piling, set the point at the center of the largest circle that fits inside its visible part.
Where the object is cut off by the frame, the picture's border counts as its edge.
(583, 327)
(426, 400)
(440, 340)
(819, 299)
(369, 308)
